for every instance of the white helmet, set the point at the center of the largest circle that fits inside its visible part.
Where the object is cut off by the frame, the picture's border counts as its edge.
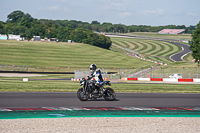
(93, 67)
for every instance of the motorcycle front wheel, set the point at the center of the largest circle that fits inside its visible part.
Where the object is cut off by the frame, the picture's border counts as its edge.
(109, 94)
(81, 96)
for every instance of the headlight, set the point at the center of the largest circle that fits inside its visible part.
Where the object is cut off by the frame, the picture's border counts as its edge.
(81, 82)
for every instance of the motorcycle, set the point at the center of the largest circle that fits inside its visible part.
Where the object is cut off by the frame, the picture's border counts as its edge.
(91, 90)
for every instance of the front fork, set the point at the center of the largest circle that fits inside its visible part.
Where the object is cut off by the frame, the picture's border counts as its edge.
(84, 88)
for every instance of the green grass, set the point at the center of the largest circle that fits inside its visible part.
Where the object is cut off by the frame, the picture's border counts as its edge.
(38, 86)
(162, 36)
(157, 88)
(44, 56)
(188, 57)
(46, 76)
(70, 86)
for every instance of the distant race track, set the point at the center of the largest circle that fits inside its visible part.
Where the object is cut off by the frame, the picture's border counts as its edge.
(176, 57)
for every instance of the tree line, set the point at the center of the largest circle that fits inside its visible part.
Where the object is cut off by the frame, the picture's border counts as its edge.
(20, 23)
(195, 44)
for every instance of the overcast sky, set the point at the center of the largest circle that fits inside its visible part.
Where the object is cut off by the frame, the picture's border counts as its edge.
(128, 12)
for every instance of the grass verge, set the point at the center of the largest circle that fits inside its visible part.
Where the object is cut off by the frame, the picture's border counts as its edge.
(70, 86)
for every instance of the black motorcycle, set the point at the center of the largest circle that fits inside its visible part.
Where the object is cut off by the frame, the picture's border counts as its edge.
(92, 90)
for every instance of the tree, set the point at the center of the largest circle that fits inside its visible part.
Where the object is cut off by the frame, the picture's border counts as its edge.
(1, 27)
(95, 22)
(63, 34)
(26, 20)
(15, 16)
(195, 44)
(79, 35)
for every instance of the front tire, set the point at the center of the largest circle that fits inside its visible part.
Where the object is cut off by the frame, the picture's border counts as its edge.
(81, 96)
(109, 94)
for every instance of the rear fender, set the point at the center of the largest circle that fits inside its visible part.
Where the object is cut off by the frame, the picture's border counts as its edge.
(107, 83)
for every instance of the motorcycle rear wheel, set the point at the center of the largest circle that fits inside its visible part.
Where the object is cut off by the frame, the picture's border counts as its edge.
(81, 96)
(109, 94)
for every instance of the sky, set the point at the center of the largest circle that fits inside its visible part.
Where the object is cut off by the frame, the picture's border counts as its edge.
(128, 12)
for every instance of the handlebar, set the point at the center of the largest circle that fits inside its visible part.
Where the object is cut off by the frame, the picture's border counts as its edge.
(90, 77)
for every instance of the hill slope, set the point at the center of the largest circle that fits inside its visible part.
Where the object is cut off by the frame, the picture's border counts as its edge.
(50, 56)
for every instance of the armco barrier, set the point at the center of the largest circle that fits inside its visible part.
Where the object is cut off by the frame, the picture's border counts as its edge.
(161, 79)
(185, 80)
(156, 79)
(196, 80)
(152, 79)
(132, 78)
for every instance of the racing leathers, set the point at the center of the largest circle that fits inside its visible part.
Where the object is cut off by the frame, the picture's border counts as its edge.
(98, 76)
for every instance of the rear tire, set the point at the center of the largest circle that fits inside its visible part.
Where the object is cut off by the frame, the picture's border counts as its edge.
(109, 94)
(81, 96)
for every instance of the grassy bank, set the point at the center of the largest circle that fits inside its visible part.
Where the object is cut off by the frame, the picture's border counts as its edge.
(46, 56)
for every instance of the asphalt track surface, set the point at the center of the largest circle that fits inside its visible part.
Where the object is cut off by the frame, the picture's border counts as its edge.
(176, 57)
(42, 99)
(179, 56)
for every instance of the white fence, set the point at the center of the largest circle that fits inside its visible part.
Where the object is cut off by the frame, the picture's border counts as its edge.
(23, 68)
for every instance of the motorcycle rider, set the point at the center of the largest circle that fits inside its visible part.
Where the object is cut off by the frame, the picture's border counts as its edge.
(97, 74)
